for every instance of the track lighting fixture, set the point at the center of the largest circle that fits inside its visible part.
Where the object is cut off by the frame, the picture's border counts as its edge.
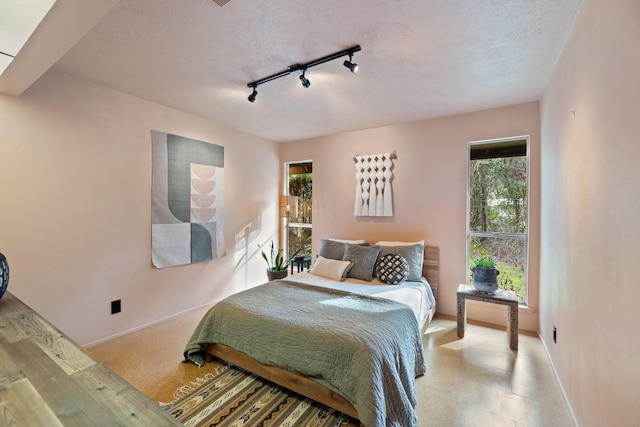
(253, 95)
(351, 65)
(302, 68)
(304, 80)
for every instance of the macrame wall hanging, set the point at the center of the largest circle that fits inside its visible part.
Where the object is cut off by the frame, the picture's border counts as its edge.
(374, 196)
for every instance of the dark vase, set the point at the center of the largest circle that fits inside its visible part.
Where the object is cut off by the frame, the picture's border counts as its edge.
(485, 279)
(4, 274)
(276, 274)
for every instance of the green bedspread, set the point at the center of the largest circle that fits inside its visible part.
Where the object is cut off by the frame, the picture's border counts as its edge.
(367, 349)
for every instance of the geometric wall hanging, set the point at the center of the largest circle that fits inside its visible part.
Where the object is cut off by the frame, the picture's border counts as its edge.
(374, 196)
(187, 199)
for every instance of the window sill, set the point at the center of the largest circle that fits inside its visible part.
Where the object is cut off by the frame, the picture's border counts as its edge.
(526, 309)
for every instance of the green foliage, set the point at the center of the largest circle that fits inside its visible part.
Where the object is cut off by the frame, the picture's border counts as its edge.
(512, 279)
(276, 260)
(498, 195)
(498, 204)
(300, 238)
(480, 256)
(485, 262)
(508, 257)
(301, 185)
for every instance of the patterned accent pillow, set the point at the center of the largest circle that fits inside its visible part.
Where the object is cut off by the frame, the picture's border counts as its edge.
(392, 269)
(414, 254)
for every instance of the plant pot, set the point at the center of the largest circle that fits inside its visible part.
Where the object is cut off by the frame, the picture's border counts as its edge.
(485, 279)
(4, 274)
(276, 274)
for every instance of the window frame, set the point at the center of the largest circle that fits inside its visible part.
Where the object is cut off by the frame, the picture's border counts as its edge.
(470, 234)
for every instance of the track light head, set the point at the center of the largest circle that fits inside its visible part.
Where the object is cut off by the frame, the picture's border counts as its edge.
(305, 81)
(253, 95)
(351, 65)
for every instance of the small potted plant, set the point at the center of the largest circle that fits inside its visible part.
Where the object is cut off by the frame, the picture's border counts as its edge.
(277, 265)
(485, 275)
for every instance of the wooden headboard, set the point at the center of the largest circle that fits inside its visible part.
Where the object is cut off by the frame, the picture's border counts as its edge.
(431, 267)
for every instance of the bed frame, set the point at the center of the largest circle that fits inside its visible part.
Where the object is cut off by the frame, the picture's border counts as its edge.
(305, 385)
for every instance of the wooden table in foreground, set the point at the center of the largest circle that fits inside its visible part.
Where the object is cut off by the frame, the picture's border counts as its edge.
(48, 380)
(502, 297)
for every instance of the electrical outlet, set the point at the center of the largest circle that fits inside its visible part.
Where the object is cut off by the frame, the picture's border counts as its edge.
(116, 306)
(555, 334)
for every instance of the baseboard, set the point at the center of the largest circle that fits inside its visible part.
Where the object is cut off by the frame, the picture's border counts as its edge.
(486, 324)
(146, 325)
(555, 374)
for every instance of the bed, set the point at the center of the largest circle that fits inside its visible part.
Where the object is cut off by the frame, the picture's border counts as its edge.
(354, 345)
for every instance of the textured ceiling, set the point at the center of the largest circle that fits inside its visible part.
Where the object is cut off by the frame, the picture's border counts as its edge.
(420, 58)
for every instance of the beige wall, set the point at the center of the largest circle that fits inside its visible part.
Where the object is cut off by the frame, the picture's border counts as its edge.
(429, 190)
(75, 210)
(589, 215)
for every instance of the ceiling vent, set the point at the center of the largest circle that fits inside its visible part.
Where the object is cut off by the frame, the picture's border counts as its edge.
(221, 2)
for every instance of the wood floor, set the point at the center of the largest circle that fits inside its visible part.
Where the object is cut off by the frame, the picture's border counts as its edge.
(474, 381)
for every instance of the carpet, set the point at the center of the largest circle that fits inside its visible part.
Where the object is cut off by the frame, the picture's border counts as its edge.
(231, 396)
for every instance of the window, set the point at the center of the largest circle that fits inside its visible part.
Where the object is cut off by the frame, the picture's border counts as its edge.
(497, 209)
(299, 182)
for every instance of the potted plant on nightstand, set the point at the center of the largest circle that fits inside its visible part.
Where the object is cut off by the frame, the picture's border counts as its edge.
(277, 265)
(485, 275)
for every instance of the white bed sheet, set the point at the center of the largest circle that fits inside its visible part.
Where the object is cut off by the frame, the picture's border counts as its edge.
(417, 295)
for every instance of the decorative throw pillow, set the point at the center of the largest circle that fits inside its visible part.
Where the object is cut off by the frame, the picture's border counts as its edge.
(331, 268)
(334, 248)
(331, 249)
(392, 269)
(414, 254)
(364, 260)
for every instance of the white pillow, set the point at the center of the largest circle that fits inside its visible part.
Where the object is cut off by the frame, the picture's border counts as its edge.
(352, 242)
(383, 243)
(331, 268)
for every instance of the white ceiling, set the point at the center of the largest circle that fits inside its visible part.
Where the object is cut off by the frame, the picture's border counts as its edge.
(420, 59)
(17, 22)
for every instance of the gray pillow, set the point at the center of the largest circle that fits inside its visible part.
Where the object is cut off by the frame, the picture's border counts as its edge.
(414, 254)
(364, 260)
(331, 249)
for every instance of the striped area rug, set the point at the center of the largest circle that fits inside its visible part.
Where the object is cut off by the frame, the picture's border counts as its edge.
(234, 397)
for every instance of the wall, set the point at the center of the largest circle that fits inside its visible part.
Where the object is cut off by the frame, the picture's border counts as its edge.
(75, 215)
(589, 215)
(429, 188)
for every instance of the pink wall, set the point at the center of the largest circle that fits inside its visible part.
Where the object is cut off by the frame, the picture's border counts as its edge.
(429, 188)
(75, 213)
(590, 122)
